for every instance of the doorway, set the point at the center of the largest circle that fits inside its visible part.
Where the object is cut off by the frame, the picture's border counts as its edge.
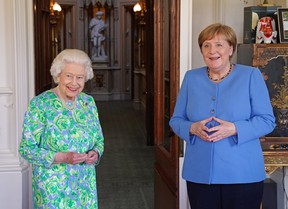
(166, 73)
(125, 173)
(156, 81)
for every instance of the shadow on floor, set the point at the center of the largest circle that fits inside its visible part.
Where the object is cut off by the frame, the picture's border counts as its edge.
(125, 173)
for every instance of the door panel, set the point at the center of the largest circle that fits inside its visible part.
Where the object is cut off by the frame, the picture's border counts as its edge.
(166, 72)
(149, 37)
(43, 45)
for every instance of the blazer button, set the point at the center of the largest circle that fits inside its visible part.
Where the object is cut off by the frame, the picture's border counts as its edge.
(212, 111)
(213, 98)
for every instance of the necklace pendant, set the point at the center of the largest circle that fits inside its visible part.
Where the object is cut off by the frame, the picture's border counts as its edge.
(70, 105)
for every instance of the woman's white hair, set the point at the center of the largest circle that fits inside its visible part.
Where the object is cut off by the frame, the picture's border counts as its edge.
(71, 56)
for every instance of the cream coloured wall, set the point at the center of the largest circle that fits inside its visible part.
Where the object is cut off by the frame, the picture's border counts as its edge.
(223, 11)
(220, 11)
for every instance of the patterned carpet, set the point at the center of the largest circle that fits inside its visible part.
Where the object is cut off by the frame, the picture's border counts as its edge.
(125, 173)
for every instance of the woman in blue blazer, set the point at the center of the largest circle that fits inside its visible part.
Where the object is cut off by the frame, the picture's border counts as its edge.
(221, 112)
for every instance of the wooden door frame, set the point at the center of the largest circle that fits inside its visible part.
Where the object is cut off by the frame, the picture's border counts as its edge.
(165, 161)
(42, 45)
(149, 115)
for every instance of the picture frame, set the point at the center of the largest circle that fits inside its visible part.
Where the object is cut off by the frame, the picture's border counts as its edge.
(282, 15)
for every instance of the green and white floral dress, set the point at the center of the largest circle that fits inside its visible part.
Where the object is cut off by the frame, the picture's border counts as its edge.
(48, 128)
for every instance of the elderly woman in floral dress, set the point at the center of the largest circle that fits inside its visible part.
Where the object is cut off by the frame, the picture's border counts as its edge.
(62, 137)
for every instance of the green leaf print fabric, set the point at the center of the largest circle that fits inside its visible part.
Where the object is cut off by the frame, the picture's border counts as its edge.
(48, 128)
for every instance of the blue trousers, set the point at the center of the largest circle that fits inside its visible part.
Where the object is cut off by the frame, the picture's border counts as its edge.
(225, 196)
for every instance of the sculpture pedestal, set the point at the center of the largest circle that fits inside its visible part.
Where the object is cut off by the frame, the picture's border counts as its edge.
(102, 85)
(100, 60)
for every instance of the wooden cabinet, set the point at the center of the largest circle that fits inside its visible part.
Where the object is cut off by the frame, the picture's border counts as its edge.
(259, 55)
(272, 60)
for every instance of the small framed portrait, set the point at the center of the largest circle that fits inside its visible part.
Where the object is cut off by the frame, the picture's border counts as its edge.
(283, 24)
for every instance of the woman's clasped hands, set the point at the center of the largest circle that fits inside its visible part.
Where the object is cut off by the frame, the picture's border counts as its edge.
(223, 130)
(75, 158)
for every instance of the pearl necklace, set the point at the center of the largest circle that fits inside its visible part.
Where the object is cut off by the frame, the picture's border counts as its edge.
(70, 105)
(218, 79)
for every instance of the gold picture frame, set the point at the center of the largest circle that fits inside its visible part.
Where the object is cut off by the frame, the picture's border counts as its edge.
(282, 15)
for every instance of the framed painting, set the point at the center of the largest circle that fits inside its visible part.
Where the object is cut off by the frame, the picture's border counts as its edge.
(283, 24)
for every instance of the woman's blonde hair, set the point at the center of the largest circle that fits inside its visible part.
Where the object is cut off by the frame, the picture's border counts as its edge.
(218, 29)
(71, 56)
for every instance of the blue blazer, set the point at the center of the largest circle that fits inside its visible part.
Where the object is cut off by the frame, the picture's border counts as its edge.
(243, 99)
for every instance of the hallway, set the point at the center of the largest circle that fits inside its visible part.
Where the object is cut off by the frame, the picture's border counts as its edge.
(125, 173)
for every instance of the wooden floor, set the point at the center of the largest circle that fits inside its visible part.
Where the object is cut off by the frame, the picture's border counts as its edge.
(125, 173)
